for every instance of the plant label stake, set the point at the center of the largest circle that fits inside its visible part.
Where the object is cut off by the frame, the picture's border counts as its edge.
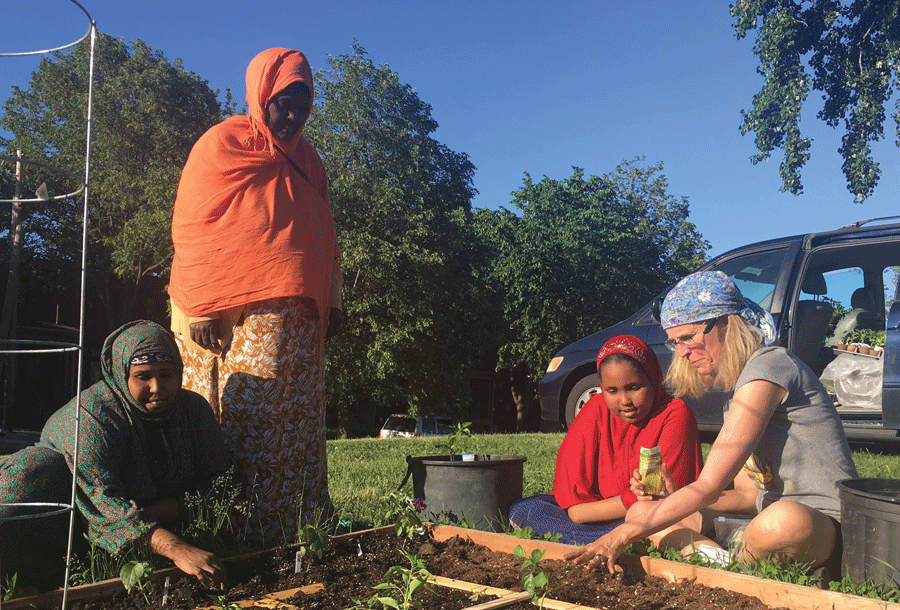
(165, 596)
(358, 550)
(298, 562)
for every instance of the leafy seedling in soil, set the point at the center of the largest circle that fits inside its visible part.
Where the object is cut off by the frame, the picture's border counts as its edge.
(138, 573)
(534, 579)
(404, 514)
(222, 603)
(9, 587)
(316, 540)
(887, 590)
(526, 533)
(399, 585)
(462, 429)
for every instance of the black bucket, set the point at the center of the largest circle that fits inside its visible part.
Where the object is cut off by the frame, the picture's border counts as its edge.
(870, 524)
(477, 493)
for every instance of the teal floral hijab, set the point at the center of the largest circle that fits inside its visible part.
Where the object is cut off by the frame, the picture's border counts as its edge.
(140, 341)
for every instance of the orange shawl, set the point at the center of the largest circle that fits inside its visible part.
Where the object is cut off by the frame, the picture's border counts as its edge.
(247, 226)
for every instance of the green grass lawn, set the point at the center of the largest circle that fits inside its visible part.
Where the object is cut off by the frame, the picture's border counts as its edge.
(362, 473)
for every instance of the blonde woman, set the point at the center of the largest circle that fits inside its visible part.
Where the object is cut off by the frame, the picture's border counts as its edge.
(781, 443)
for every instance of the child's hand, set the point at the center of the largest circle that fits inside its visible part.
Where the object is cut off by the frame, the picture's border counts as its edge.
(638, 489)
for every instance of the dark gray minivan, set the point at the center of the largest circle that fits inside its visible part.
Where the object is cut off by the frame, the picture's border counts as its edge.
(818, 287)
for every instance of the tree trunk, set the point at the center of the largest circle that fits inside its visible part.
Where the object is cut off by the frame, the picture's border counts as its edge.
(521, 389)
(11, 300)
(345, 420)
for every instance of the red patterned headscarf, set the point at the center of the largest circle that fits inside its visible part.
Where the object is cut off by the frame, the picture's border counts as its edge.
(637, 349)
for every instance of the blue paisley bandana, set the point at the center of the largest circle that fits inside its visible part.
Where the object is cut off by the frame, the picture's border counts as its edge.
(705, 295)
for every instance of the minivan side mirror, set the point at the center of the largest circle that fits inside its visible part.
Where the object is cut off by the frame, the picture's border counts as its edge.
(655, 307)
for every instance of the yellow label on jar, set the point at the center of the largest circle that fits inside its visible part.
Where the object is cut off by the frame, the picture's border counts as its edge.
(649, 468)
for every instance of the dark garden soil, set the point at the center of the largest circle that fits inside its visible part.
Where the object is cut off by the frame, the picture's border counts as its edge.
(347, 577)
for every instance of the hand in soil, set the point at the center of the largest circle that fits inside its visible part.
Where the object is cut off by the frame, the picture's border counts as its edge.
(205, 566)
(605, 550)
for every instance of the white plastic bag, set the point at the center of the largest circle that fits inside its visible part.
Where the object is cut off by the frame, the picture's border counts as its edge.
(855, 379)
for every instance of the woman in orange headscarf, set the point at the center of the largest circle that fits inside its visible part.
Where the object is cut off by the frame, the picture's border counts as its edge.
(255, 284)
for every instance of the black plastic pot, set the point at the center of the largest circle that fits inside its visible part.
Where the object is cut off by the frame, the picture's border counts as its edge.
(477, 492)
(870, 523)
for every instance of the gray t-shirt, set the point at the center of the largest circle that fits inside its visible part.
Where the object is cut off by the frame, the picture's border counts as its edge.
(803, 451)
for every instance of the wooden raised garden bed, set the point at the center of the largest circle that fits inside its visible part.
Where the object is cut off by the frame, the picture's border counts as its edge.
(467, 576)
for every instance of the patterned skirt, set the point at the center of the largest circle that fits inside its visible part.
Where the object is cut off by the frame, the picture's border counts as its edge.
(267, 393)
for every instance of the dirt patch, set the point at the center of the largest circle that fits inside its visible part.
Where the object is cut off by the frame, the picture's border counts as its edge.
(348, 576)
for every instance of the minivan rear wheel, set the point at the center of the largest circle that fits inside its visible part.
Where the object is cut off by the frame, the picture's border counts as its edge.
(579, 395)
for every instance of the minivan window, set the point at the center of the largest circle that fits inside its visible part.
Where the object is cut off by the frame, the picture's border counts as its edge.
(842, 283)
(755, 274)
(847, 286)
(402, 424)
(891, 281)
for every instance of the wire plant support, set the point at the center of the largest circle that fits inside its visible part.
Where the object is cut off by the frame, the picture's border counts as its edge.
(12, 347)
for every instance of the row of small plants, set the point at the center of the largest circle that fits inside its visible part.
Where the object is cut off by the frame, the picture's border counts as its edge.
(213, 527)
(787, 570)
(401, 583)
(867, 336)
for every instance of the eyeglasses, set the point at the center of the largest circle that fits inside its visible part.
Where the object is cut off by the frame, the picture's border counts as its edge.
(689, 342)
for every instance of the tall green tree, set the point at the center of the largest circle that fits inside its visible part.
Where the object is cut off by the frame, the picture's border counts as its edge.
(402, 207)
(147, 113)
(583, 253)
(852, 49)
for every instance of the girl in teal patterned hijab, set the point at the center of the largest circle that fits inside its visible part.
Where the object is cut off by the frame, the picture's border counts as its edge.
(144, 443)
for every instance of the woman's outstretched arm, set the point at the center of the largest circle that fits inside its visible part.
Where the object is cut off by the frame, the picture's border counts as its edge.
(189, 559)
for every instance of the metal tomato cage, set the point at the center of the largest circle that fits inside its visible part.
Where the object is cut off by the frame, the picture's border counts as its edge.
(12, 348)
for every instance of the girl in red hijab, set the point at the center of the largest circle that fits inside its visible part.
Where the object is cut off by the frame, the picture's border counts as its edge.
(255, 284)
(600, 452)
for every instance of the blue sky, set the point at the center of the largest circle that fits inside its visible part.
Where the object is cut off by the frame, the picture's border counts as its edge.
(523, 86)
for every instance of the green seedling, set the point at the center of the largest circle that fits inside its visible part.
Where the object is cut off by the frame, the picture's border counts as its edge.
(462, 429)
(550, 537)
(212, 515)
(887, 590)
(9, 586)
(404, 513)
(222, 603)
(99, 564)
(138, 573)
(316, 540)
(534, 581)
(526, 533)
(784, 570)
(399, 585)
